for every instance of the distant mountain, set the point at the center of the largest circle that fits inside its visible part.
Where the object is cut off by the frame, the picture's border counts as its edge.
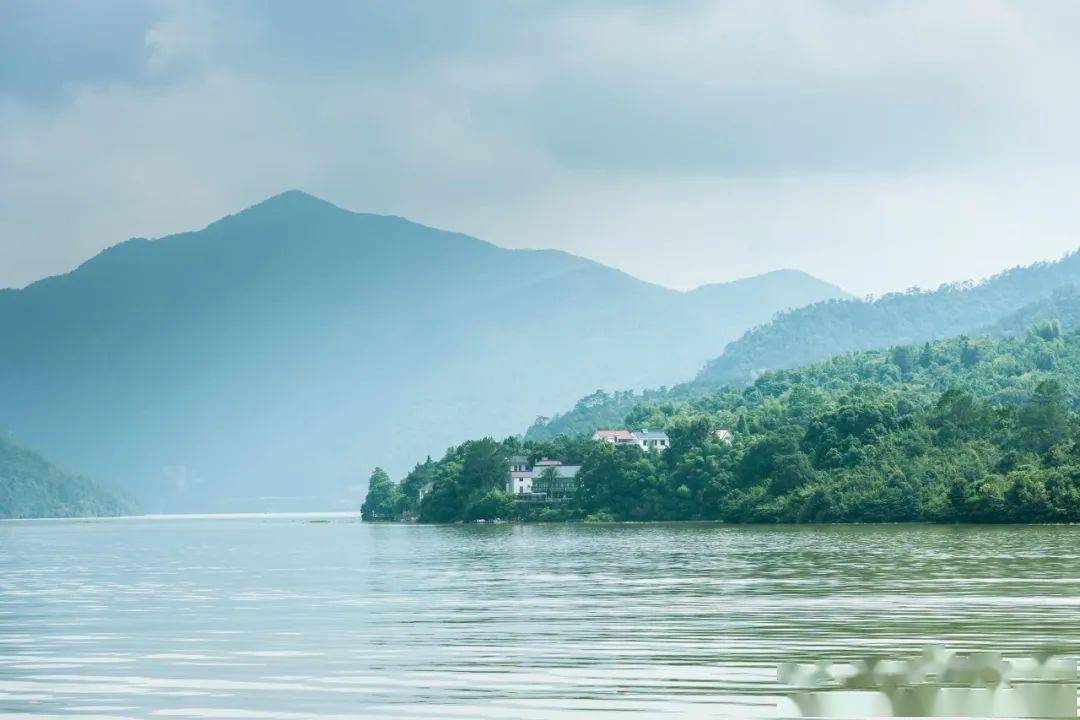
(32, 487)
(1007, 304)
(762, 294)
(817, 331)
(272, 359)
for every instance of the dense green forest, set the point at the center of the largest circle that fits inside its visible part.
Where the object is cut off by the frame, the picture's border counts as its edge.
(961, 430)
(802, 336)
(30, 486)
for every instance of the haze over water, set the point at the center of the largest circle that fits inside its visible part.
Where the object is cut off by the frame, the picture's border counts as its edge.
(289, 618)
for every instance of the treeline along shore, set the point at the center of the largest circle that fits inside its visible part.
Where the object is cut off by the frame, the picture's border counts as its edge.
(976, 430)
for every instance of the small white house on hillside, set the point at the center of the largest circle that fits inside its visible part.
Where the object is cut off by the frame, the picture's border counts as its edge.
(644, 439)
(651, 440)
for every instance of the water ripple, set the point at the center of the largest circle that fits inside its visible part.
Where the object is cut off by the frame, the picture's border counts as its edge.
(279, 618)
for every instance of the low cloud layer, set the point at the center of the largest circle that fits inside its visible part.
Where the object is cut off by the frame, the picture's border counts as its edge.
(876, 145)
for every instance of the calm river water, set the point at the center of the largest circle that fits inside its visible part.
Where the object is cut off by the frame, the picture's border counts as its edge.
(292, 618)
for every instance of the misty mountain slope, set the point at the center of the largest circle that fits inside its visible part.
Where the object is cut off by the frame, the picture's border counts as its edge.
(272, 358)
(1063, 305)
(777, 289)
(817, 331)
(32, 487)
(1007, 304)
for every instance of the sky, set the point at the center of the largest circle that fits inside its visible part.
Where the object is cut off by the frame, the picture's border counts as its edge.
(878, 145)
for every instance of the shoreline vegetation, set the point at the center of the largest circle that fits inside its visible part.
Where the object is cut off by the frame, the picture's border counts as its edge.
(967, 430)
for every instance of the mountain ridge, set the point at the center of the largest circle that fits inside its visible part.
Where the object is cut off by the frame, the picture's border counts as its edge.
(822, 329)
(295, 198)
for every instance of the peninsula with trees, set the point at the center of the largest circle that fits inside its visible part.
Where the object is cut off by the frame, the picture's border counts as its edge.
(969, 429)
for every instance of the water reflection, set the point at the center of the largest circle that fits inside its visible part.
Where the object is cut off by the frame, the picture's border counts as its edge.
(287, 618)
(936, 683)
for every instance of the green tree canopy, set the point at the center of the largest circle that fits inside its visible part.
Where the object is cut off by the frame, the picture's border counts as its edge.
(384, 498)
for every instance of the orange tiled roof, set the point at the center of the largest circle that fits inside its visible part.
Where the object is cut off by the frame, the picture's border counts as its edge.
(613, 434)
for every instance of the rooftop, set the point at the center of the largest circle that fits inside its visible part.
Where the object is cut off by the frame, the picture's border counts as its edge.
(650, 435)
(612, 434)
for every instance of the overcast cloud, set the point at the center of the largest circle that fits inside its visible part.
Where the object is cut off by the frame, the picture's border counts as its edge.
(876, 145)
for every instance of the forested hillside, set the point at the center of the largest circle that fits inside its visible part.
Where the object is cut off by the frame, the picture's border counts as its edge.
(31, 486)
(818, 331)
(1002, 305)
(960, 430)
(1063, 305)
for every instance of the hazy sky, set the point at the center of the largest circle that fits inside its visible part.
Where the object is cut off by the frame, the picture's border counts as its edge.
(877, 145)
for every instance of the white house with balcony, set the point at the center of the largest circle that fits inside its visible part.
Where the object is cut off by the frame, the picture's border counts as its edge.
(547, 479)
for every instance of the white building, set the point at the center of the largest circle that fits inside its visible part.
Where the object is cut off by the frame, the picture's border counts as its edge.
(521, 476)
(651, 440)
(644, 439)
(547, 478)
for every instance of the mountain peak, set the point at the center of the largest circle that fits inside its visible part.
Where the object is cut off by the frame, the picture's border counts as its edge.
(289, 209)
(291, 201)
(793, 288)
